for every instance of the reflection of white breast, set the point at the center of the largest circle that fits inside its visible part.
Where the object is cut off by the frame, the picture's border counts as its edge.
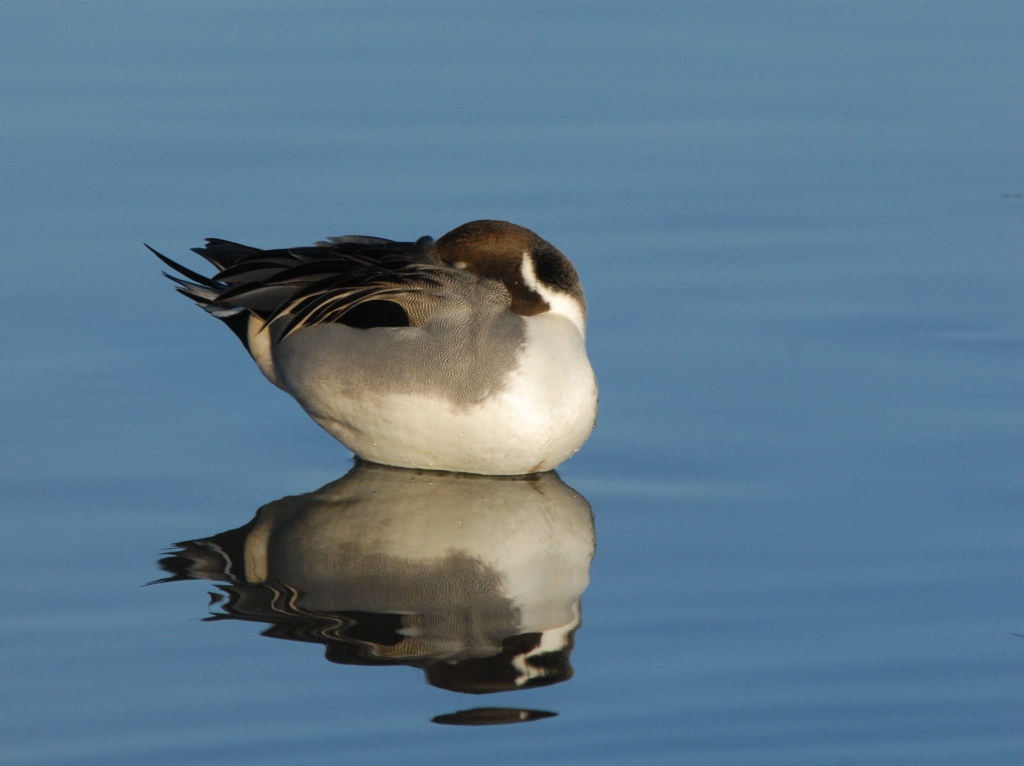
(475, 579)
(382, 540)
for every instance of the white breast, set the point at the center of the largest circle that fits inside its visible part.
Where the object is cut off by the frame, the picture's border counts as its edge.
(540, 418)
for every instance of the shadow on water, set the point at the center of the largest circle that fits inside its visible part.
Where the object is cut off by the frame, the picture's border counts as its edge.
(476, 580)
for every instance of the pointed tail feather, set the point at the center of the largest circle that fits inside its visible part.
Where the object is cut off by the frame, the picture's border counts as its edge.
(205, 292)
(184, 271)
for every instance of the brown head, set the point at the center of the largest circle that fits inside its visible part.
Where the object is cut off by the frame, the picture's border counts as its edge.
(533, 270)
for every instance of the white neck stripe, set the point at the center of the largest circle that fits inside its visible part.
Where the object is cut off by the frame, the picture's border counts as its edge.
(561, 303)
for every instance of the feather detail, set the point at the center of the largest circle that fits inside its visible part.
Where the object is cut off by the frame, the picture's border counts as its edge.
(313, 285)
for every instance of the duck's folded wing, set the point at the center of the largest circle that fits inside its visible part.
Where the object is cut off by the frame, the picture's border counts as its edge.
(360, 281)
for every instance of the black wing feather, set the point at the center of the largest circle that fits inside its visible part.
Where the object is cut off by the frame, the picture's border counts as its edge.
(313, 285)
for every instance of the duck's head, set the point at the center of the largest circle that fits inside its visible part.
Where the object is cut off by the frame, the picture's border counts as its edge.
(539, 278)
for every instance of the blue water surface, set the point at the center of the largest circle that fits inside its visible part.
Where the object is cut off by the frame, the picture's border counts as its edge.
(799, 229)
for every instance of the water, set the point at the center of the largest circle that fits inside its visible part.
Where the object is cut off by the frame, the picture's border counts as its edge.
(798, 226)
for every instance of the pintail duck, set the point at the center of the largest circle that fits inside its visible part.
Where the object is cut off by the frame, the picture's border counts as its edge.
(463, 354)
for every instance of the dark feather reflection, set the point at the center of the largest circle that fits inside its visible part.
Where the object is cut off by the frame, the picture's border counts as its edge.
(475, 579)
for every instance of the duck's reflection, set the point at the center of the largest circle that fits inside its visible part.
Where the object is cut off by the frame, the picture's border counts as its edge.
(475, 579)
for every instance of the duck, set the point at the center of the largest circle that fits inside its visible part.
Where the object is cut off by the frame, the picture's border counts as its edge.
(464, 354)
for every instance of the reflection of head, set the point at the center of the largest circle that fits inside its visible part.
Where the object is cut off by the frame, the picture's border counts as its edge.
(475, 579)
(524, 662)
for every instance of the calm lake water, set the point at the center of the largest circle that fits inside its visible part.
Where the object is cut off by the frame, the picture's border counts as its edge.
(795, 535)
